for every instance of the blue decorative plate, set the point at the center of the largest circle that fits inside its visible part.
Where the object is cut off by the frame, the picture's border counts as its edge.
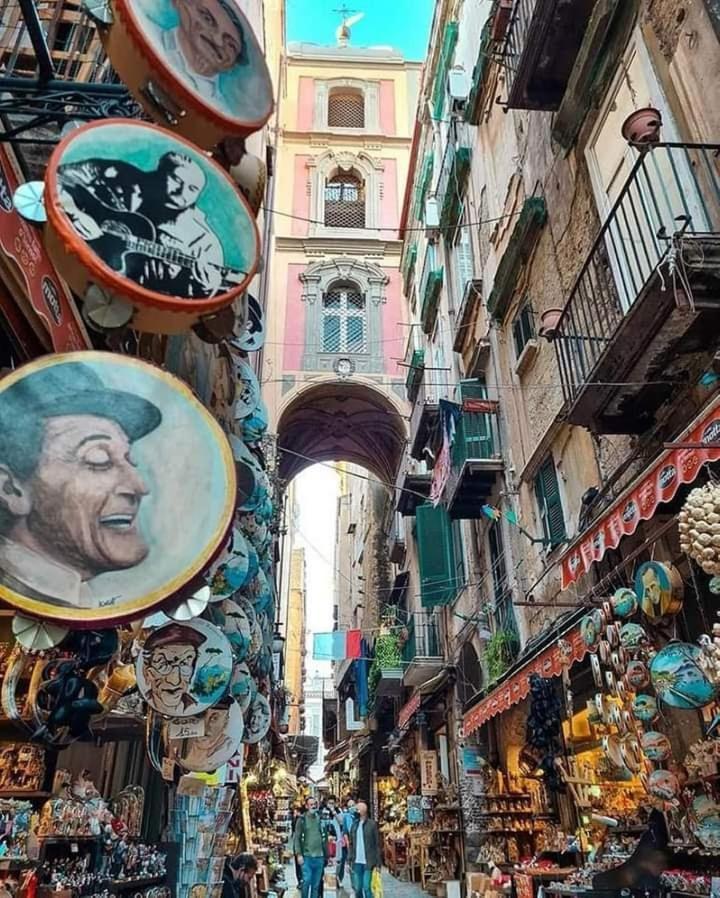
(678, 678)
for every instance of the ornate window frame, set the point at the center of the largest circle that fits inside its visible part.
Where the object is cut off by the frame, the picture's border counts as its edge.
(371, 170)
(371, 93)
(372, 282)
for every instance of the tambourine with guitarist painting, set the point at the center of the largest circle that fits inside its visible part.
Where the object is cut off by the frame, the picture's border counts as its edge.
(146, 220)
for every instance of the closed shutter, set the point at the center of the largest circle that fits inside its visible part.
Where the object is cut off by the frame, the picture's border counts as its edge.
(547, 491)
(435, 556)
(463, 264)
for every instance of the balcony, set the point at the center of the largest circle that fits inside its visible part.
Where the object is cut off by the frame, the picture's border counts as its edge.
(422, 652)
(540, 47)
(430, 286)
(475, 461)
(467, 314)
(412, 487)
(425, 416)
(644, 314)
(453, 177)
(396, 540)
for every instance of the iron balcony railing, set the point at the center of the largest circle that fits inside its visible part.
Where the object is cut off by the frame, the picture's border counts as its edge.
(670, 198)
(430, 285)
(516, 39)
(423, 637)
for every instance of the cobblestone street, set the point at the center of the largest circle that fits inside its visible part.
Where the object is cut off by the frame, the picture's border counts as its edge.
(392, 887)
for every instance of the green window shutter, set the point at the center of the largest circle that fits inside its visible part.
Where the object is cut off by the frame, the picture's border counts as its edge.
(473, 389)
(547, 492)
(435, 556)
(423, 186)
(450, 36)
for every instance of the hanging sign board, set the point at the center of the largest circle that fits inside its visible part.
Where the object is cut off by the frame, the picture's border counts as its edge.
(429, 772)
(144, 220)
(105, 461)
(196, 66)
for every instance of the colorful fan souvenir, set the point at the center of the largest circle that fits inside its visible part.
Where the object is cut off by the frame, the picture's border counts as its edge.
(183, 669)
(660, 589)
(196, 66)
(679, 679)
(141, 218)
(223, 727)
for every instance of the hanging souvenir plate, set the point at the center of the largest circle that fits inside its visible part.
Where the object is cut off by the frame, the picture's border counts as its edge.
(151, 220)
(663, 785)
(224, 727)
(109, 459)
(247, 608)
(249, 475)
(255, 426)
(589, 632)
(256, 642)
(257, 722)
(242, 686)
(632, 637)
(260, 592)
(637, 675)
(252, 336)
(714, 586)
(659, 588)
(247, 396)
(644, 707)
(678, 678)
(237, 628)
(253, 528)
(624, 603)
(195, 65)
(184, 669)
(656, 746)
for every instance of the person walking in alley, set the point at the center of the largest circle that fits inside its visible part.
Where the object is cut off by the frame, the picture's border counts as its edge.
(310, 847)
(364, 851)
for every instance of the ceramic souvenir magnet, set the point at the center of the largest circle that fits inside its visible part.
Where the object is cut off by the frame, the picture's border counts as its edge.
(119, 534)
(183, 669)
(145, 218)
(197, 67)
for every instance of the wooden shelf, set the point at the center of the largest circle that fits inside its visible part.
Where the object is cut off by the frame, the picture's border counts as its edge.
(20, 795)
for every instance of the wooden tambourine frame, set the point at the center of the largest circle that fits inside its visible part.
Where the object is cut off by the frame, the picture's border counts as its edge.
(82, 267)
(164, 95)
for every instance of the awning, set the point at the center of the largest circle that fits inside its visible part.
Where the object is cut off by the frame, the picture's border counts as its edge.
(408, 709)
(659, 483)
(565, 650)
(337, 753)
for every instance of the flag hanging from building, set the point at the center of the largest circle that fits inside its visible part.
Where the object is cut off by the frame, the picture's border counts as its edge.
(337, 646)
(450, 414)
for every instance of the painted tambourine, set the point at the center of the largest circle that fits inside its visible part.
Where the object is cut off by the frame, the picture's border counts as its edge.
(145, 227)
(105, 462)
(224, 727)
(257, 720)
(251, 336)
(183, 669)
(247, 393)
(197, 67)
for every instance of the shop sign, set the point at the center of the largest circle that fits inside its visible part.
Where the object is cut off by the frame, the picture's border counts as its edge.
(428, 772)
(639, 502)
(549, 663)
(415, 813)
(21, 242)
(407, 711)
(234, 767)
(191, 728)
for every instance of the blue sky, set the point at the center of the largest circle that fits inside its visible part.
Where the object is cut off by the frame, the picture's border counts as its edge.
(404, 24)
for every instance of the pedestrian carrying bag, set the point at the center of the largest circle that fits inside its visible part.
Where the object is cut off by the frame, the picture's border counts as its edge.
(376, 884)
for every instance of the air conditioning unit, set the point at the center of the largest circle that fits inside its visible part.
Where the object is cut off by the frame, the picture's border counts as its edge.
(458, 84)
(432, 214)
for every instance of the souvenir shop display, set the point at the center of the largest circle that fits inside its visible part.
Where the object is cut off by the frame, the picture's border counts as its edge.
(15, 823)
(22, 768)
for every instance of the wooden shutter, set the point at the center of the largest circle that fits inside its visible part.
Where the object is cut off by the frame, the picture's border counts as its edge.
(435, 556)
(548, 496)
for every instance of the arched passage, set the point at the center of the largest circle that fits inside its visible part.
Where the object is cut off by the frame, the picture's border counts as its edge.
(333, 421)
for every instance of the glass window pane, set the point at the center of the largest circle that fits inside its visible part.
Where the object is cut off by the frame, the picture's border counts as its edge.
(355, 334)
(331, 333)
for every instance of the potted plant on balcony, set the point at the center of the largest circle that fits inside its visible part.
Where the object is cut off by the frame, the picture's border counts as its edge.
(500, 652)
(549, 321)
(643, 126)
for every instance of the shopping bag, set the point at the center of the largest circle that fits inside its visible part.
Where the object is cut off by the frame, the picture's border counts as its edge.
(376, 884)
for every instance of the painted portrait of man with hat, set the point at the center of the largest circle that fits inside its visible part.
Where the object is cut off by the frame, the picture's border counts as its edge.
(170, 659)
(70, 491)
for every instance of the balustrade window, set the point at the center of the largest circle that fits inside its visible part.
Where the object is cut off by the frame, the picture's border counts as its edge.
(346, 109)
(345, 201)
(344, 319)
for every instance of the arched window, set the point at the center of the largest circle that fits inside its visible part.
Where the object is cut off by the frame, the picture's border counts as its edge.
(345, 201)
(344, 324)
(346, 109)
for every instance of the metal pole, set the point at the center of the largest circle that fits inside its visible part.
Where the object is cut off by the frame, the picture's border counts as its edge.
(37, 38)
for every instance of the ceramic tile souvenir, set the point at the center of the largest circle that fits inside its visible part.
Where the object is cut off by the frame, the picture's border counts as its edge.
(183, 669)
(116, 533)
(143, 218)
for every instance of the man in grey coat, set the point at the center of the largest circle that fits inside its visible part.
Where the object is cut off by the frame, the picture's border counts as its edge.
(365, 854)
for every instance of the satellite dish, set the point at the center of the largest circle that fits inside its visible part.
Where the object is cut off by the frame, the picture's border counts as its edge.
(29, 201)
(105, 312)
